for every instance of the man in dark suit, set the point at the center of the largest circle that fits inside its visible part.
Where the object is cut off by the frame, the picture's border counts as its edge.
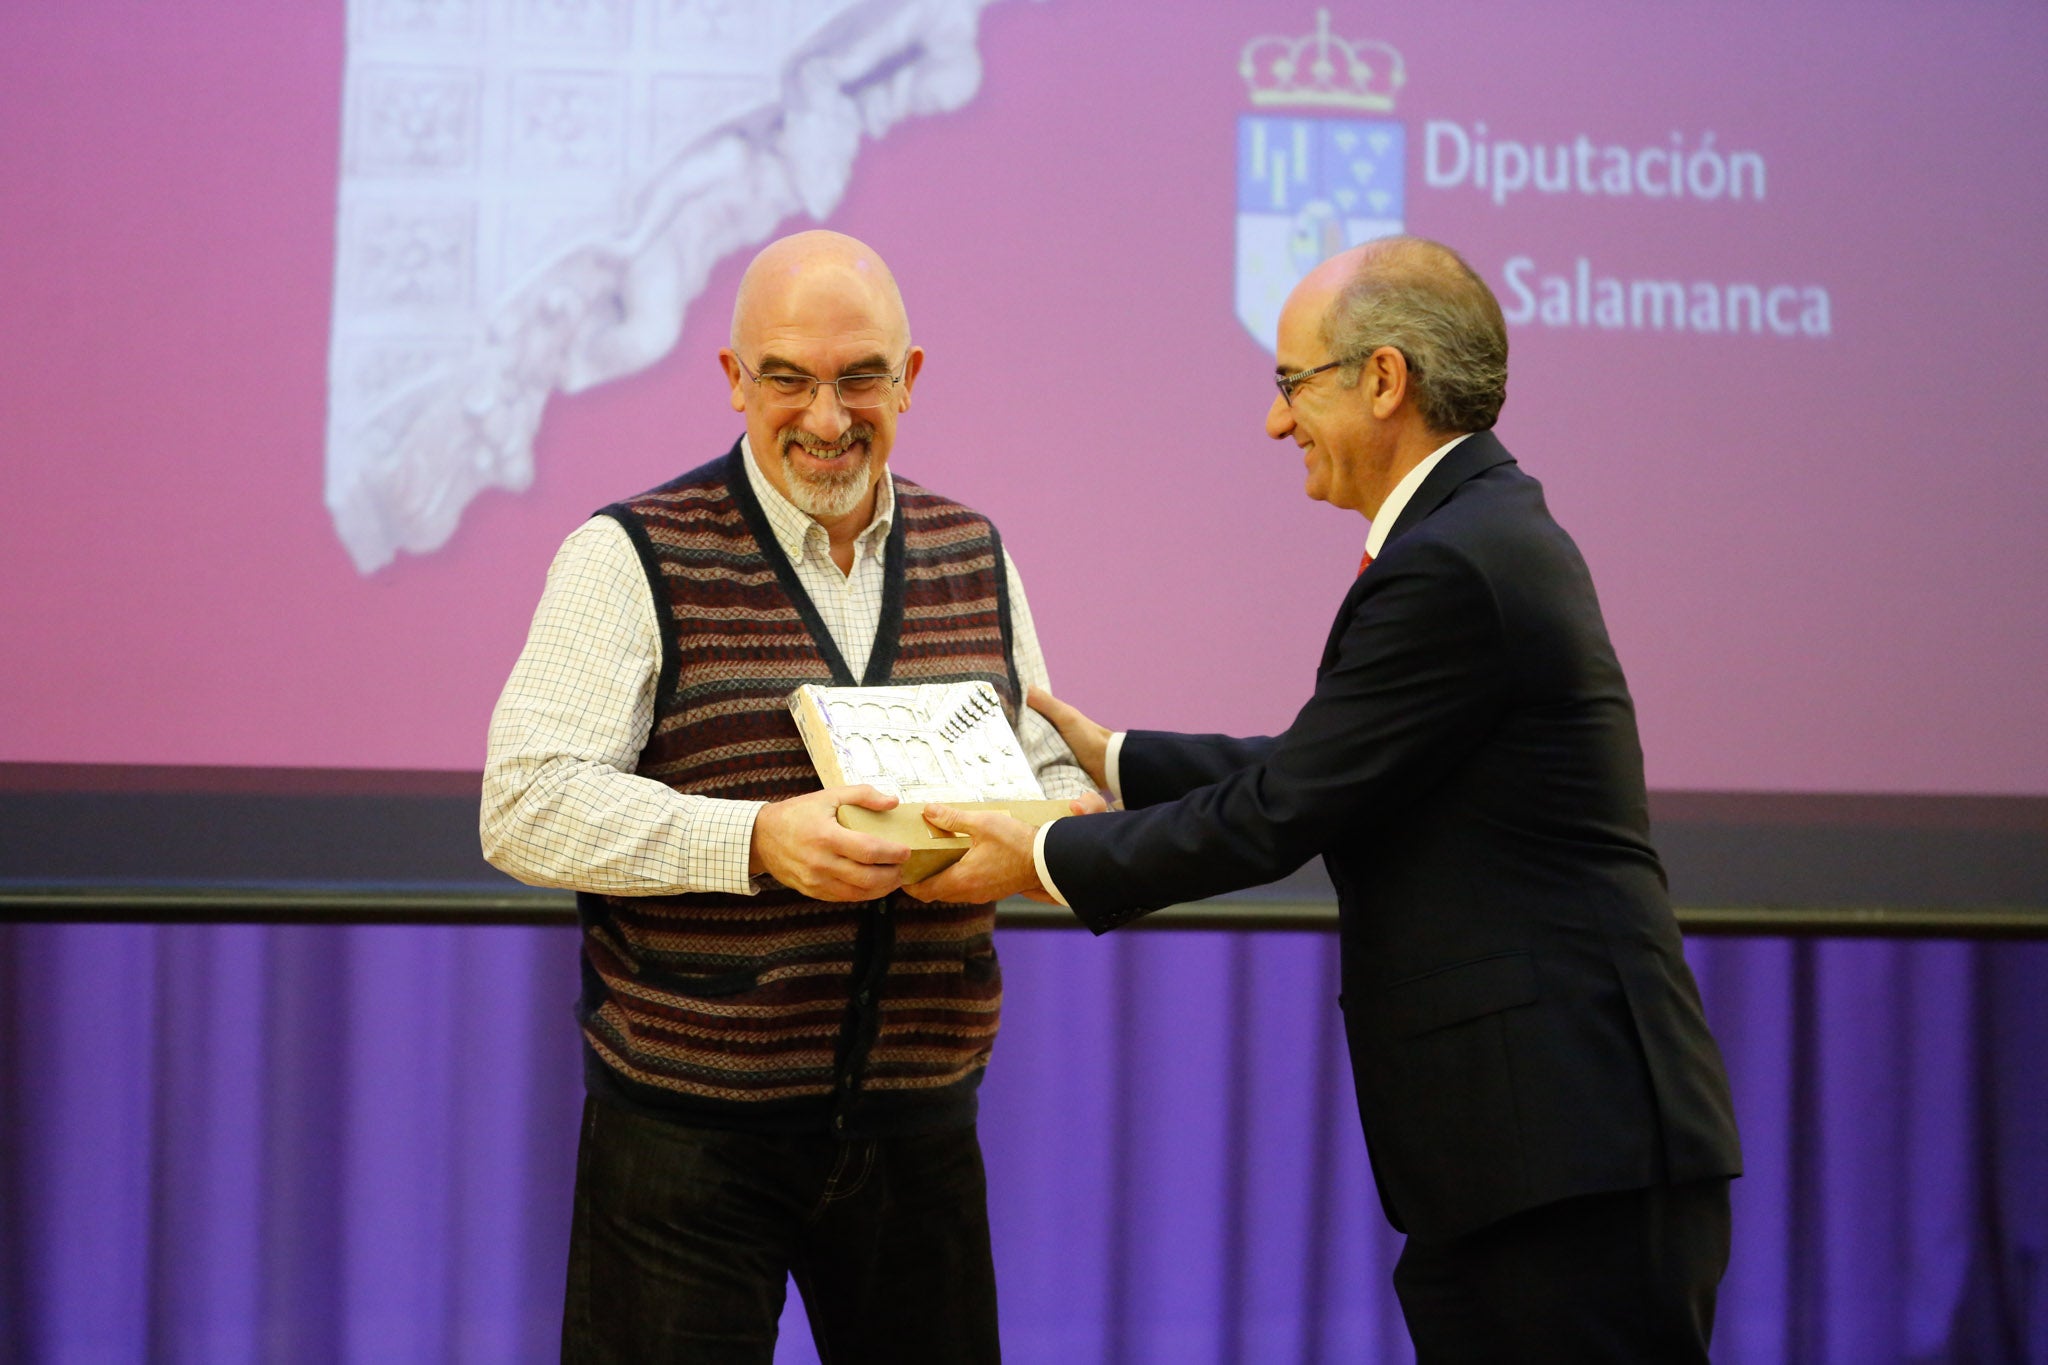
(1546, 1112)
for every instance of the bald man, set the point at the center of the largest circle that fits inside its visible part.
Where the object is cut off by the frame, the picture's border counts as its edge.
(781, 1050)
(1545, 1109)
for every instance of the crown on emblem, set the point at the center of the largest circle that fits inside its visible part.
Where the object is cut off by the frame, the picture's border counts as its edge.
(1322, 69)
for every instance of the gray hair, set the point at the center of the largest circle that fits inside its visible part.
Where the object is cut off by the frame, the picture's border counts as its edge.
(1421, 298)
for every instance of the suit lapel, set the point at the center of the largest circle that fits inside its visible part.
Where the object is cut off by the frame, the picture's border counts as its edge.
(1473, 456)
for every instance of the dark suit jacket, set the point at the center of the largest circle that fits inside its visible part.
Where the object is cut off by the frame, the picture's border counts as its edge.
(1522, 1025)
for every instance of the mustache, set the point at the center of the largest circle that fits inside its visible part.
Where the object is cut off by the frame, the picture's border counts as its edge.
(857, 434)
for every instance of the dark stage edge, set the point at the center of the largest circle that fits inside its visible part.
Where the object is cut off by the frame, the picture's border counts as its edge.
(117, 844)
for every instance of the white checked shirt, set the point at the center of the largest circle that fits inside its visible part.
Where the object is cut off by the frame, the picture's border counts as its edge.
(562, 805)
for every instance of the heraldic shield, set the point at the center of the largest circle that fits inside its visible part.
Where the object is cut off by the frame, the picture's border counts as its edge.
(1306, 189)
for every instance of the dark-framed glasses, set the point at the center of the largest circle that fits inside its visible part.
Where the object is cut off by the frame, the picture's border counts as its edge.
(787, 389)
(1288, 383)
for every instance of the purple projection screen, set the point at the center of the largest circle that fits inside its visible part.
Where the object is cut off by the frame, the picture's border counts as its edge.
(327, 323)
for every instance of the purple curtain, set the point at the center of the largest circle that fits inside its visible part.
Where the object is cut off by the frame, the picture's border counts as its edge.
(251, 1143)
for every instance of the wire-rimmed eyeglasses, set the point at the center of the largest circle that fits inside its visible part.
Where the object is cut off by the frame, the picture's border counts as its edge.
(1288, 383)
(787, 389)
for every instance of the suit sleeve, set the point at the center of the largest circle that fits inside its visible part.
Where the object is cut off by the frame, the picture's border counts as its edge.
(1417, 677)
(1158, 765)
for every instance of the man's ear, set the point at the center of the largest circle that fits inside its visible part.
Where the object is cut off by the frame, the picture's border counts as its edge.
(1385, 381)
(733, 376)
(912, 364)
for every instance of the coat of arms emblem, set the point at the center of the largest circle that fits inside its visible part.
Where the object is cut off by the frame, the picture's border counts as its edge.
(1309, 182)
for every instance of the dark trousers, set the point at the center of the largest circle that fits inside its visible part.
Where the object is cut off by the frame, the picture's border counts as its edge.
(684, 1237)
(1624, 1277)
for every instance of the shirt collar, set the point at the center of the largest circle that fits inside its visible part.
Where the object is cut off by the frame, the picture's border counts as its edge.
(797, 533)
(1397, 501)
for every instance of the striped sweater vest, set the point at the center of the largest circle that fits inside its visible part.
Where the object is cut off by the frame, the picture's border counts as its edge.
(775, 1011)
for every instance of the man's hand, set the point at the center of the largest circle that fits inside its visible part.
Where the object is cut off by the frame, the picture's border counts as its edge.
(801, 844)
(1089, 741)
(1000, 863)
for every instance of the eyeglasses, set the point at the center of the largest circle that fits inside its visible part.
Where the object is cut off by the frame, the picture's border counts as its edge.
(789, 390)
(1288, 383)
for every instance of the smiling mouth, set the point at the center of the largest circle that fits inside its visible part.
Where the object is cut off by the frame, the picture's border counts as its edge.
(855, 441)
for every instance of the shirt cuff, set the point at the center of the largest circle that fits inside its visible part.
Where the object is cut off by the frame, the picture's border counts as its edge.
(1112, 769)
(1038, 861)
(720, 847)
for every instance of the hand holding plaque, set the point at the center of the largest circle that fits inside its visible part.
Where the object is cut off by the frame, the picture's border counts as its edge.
(943, 743)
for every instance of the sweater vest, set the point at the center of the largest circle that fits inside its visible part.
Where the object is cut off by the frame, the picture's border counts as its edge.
(775, 1012)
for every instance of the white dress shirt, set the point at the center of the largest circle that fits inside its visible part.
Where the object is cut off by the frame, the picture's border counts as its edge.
(562, 805)
(1375, 537)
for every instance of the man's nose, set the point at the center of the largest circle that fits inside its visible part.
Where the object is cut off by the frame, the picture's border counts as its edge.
(827, 417)
(1279, 418)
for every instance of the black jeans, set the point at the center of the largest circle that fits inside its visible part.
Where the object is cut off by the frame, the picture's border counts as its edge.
(684, 1237)
(1627, 1278)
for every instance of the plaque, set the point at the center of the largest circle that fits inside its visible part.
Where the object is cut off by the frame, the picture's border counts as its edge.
(925, 743)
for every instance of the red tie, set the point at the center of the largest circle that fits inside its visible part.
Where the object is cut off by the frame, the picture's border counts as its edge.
(1365, 561)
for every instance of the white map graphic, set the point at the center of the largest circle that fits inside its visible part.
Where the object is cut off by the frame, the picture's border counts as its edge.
(533, 193)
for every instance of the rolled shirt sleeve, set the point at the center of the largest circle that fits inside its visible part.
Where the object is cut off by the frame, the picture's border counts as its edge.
(1060, 774)
(562, 805)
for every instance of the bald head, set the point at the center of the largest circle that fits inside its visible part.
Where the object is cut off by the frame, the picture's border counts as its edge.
(1421, 298)
(819, 307)
(821, 280)
(1410, 261)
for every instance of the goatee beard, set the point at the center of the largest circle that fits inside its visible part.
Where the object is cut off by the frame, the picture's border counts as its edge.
(831, 493)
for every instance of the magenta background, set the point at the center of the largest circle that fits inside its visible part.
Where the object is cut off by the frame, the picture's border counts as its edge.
(1822, 562)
